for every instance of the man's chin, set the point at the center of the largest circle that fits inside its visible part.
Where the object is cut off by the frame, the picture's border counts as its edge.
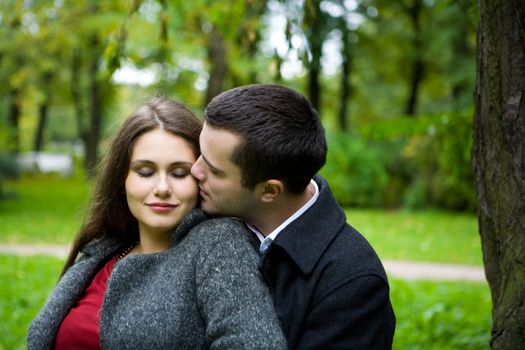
(207, 208)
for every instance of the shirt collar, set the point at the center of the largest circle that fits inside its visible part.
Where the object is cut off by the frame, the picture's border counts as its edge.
(306, 239)
(266, 241)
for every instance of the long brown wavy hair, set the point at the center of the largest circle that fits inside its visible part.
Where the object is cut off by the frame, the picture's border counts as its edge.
(109, 215)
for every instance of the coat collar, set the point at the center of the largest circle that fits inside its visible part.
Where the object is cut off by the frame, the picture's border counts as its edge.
(306, 238)
(194, 217)
(109, 245)
(102, 248)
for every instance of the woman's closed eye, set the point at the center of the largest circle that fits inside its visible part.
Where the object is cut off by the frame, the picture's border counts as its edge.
(144, 172)
(177, 170)
(180, 173)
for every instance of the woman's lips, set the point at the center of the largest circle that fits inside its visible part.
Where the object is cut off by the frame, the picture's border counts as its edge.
(161, 207)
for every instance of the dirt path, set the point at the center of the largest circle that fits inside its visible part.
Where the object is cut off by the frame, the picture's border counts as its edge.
(395, 269)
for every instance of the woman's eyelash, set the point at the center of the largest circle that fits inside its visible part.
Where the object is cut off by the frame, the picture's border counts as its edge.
(180, 173)
(144, 173)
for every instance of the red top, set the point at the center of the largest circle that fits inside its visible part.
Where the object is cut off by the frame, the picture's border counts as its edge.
(80, 329)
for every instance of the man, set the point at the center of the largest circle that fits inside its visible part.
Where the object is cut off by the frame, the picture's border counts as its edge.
(261, 148)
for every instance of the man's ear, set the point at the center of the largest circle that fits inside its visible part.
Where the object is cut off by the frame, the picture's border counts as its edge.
(270, 190)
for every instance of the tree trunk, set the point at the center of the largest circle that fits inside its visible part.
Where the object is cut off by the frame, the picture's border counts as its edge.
(163, 36)
(499, 164)
(76, 94)
(13, 107)
(415, 83)
(217, 57)
(315, 28)
(13, 120)
(249, 35)
(345, 76)
(95, 111)
(416, 76)
(278, 61)
(314, 90)
(316, 50)
(43, 109)
(42, 120)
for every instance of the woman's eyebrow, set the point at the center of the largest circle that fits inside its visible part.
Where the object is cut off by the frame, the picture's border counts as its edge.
(149, 162)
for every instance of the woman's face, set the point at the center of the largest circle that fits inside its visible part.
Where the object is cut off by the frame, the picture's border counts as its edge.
(160, 190)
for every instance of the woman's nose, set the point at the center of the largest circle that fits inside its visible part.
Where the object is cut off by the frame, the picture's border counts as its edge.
(163, 188)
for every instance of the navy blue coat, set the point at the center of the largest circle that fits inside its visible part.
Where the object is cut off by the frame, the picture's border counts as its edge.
(329, 287)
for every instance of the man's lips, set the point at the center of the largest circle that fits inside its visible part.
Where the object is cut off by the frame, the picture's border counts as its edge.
(203, 193)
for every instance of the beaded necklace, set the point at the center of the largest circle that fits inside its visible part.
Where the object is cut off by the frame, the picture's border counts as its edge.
(127, 250)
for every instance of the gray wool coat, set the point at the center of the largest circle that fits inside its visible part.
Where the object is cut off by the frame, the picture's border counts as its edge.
(204, 292)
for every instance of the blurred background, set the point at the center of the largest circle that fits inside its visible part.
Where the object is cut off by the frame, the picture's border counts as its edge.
(393, 82)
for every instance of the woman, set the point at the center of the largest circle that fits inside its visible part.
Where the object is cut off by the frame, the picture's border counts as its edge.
(147, 271)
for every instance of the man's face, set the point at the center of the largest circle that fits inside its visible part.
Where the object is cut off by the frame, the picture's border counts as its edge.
(219, 178)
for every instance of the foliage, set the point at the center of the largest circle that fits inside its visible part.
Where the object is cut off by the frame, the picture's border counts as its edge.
(433, 163)
(355, 170)
(441, 316)
(411, 162)
(386, 47)
(444, 157)
(80, 44)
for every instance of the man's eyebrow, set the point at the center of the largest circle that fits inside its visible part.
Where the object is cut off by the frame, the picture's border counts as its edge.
(213, 168)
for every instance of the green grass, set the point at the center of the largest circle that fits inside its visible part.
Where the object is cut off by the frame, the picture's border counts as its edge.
(26, 282)
(434, 316)
(50, 210)
(434, 236)
(441, 315)
(42, 210)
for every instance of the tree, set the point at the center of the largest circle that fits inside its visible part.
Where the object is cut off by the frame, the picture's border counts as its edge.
(346, 69)
(413, 9)
(12, 61)
(499, 163)
(96, 47)
(218, 65)
(456, 22)
(315, 29)
(229, 33)
(43, 109)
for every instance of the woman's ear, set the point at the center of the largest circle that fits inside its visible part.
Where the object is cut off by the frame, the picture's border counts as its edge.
(270, 190)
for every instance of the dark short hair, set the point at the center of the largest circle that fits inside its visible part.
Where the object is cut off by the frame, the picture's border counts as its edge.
(282, 135)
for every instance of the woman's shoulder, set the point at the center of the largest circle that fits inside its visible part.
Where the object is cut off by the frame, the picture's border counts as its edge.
(224, 232)
(223, 226)
(218, 223)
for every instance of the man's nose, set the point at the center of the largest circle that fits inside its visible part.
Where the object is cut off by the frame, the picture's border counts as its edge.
(196, 169)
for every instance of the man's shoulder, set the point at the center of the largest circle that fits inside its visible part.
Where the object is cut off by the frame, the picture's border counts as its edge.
(349, 255)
